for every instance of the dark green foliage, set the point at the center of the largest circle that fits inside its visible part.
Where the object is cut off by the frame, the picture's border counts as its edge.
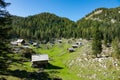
(3, 57)
(108, 24)
(2, 78)
(108, 21)
(43, 26)
(96, 44)
(46, 26)
(4, 20)
(116, 48)
(3, 13)
(27, 53)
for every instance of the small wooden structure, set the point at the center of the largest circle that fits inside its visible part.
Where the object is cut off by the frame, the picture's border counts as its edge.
(71, 49)
(20, 41)
(39, 60)
(14, 43)
(79, 43)
(34, 44)
(75, 46)
(60, 41)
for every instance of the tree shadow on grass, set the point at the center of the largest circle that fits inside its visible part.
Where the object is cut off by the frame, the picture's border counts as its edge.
(24, 75)
(50, 66)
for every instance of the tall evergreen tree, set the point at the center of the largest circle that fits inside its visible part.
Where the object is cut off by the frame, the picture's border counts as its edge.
(4, 20)
(96, 44)
(116, 48)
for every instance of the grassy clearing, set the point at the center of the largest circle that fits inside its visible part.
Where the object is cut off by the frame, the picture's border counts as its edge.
(78, 65)
(59, 55)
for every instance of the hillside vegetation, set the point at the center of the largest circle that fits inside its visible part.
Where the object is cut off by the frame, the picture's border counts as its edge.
(99, 32)
(47, 26)
(43, 26)
(78, 65)
(106, 20)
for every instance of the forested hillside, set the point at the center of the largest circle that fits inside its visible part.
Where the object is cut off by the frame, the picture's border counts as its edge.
(46, 26)
(101, 25)
(43, 26)
(106, 20)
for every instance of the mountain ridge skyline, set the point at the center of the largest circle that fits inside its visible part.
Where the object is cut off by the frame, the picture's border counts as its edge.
(73, 10)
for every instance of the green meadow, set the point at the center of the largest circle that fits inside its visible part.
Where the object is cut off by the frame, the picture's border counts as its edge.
(78, 65)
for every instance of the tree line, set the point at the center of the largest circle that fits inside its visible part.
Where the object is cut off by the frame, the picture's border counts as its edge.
(47, 26)
(43, 26)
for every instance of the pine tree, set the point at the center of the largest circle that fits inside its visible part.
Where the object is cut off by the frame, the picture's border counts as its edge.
(96, 44)
(4, 20)
(116, 48)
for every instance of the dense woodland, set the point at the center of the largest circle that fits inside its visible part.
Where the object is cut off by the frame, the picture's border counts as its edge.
(42, 27)
(107, 22)
(46, 26)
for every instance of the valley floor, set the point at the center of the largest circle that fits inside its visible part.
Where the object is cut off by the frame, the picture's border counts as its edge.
(78, 65)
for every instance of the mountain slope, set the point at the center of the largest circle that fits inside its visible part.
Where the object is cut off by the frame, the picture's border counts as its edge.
(103, 14)
(106, 20)
(46, 26)
(79, 65)
(43, 26)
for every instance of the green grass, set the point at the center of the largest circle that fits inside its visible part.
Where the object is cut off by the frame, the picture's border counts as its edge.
(79, 70)
(71, 66)
(60, 55)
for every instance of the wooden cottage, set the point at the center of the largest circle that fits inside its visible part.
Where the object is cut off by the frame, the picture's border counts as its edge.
(71, 49)
(14, 43)
(75, 46)
(60, 41)
(20, 41)
(79, 43)
(39, 60)
(34, 44)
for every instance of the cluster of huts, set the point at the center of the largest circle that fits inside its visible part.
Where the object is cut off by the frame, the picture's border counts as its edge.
(37, 60)
(41, 60)
(21, 44)
(18, 42)
(76, 45)
(18, 45)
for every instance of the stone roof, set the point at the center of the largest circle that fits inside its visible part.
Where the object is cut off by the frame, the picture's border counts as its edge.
(39, 57)
(71, 49)
(14, 43)
(20, 40)
(75, 45)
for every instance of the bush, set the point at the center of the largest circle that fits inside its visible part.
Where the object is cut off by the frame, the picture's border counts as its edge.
(116, 48)
(27, 53)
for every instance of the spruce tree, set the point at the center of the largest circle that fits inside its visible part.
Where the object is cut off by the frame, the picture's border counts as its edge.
(4, 20)
(96, 44)
(116, 48)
